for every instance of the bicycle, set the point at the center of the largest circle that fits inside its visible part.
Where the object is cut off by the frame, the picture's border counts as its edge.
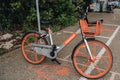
(89, 53)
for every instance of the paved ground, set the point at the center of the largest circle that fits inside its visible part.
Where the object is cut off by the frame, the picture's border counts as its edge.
(14, 67)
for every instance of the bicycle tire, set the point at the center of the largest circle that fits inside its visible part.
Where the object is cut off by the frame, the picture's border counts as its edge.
(30, 55)
(101, 63)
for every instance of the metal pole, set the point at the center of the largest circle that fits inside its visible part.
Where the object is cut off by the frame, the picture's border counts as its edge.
(38, 15)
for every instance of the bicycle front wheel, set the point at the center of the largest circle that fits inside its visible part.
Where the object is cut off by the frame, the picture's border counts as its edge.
(30, 55)
(96, 67)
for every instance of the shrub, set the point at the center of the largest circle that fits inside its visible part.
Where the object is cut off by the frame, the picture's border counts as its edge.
(21, 14)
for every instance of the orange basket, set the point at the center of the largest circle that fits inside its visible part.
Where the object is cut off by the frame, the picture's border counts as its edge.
(93, 30)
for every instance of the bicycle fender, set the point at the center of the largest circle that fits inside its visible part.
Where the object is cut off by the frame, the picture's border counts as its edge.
(79, 44)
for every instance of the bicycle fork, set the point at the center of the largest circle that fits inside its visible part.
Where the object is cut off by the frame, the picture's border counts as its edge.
(88, 48)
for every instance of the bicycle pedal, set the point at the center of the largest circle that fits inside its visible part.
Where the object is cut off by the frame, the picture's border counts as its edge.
(56, 61)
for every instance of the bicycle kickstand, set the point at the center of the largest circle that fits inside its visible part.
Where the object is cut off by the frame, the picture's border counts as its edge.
(56, 61)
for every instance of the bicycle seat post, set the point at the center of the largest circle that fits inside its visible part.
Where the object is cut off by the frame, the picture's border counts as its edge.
(50, 35)
(88, 48)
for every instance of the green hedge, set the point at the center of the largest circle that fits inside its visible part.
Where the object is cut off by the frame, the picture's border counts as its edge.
(21, 14)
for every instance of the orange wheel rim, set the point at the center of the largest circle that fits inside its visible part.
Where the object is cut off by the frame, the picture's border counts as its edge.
(87, 61)
(29, 52)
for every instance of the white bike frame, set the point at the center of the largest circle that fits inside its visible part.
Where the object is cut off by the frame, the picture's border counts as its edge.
(47, 49)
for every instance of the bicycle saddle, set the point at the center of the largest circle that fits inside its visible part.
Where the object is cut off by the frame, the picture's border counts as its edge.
(46, 22)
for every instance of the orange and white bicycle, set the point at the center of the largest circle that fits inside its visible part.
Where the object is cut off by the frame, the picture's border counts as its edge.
(91, 58)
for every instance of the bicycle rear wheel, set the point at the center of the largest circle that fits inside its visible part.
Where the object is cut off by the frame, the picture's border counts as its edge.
(96, 67)
(30, 55)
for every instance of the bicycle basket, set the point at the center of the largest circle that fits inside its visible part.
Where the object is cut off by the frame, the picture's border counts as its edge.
(90, 31)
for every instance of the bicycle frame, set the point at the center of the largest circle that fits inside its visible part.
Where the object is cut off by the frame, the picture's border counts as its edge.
(47, 49)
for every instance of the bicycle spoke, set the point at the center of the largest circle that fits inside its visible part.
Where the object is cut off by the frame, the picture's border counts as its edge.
(36, 56)
(35, 40)
(28, 43)
(93, 50)
(97, 68)
(84, 55)
(85, 65)
(29, 51)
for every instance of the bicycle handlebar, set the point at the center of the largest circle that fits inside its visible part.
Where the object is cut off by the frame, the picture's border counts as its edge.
(82, 8)
(85, 8)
